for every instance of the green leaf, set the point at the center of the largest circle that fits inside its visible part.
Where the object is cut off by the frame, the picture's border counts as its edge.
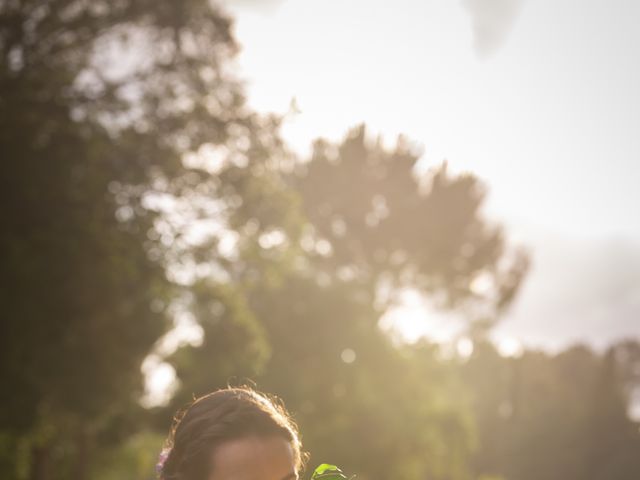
(326, 471)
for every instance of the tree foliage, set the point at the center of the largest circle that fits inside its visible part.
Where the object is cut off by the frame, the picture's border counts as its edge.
(554, 416)
(100, 103)
(393, 228)
(139, 189)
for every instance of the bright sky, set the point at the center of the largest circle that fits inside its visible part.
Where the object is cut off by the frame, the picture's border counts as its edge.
(541, 99)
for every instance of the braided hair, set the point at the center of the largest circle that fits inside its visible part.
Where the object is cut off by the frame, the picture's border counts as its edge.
(221, 416)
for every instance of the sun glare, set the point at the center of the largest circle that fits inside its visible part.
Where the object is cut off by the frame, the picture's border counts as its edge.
(509, 347)
(160, 382)
(411, 319)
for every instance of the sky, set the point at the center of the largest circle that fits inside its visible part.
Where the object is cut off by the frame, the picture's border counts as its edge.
(540, 99)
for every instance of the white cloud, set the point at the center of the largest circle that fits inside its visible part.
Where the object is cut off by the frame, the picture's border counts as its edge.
(491, 22)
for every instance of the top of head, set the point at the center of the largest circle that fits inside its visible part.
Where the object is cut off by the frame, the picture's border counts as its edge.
(221, 417)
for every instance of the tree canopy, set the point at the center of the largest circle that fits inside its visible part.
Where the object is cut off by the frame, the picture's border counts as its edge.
(139, 188)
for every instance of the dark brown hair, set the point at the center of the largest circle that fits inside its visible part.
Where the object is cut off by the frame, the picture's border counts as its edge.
(223, 415)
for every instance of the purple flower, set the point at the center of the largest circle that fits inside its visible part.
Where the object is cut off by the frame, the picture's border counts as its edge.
(161, 459)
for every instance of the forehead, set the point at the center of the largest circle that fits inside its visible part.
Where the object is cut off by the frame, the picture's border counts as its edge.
(254, 458)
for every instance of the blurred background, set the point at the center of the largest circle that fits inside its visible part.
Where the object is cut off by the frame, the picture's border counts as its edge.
(415, 222)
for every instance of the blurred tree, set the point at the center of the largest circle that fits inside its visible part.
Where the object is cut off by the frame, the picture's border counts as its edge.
(216, 360)
(369, 225)
(627, 354)
(136, 458)
(391, 229)
(115, 121)
(614, 440)
(139, 186)
(557, 417)
(379, 410)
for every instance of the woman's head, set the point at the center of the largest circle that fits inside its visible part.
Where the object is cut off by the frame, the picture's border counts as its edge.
(233, 434)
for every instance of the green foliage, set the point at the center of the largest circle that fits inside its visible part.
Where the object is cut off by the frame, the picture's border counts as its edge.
(313, 314)
(378, 410)
(99, 103)
(391, 226)
(135, 458)
(553, 416)
(326, 471)
(116, 220)
(233, 343)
